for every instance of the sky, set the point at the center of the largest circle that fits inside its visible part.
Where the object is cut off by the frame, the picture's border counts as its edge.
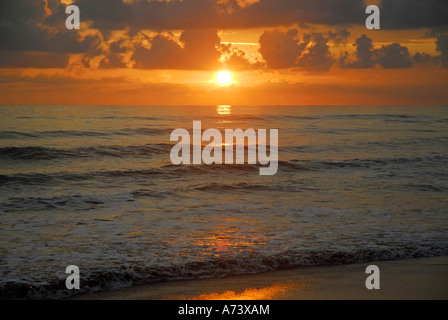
(169, 52)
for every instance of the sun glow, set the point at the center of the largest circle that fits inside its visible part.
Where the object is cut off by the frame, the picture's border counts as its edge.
(224, 78)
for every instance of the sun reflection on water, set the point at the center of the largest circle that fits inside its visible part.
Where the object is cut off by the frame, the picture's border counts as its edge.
(224, 109)
(278, 290)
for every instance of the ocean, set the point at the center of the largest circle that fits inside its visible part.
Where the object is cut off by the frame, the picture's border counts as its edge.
(93, 186)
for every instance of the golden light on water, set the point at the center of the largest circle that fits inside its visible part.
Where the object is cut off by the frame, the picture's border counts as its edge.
(224, 109)
(276, 291)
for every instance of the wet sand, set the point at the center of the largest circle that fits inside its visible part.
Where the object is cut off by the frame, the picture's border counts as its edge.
(420, 278)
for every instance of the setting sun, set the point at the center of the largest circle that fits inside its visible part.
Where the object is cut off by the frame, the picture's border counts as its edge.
(224, 78)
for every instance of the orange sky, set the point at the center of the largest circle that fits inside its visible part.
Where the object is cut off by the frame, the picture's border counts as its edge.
(136, 53)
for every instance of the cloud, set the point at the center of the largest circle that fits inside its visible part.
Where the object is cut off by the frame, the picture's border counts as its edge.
(35, 37)
(111, 61)
(280, 49)
(394, 56)
(364, 54)
(201, 48)
(283, 49)
(238, 60)
(442, 47)
(25, 26)
(200, 51)
(317, 57)
(234, 14)
(56, 80)
(422, 58)
(10, 59)
(120, 46)
(218, 14)
(413, 14)
(165, 53)
(339, 37)
(30, 27)
(64, 89)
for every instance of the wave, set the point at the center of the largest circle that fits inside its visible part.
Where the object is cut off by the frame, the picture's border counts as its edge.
(45, 153)
(236, 117)
(362, 163)
(175, 171)
(169, 171)
(417, 118)
(129, 275)
(81, 202)
(80, 133)
(375, 116)
(242, 186)
(75, 202)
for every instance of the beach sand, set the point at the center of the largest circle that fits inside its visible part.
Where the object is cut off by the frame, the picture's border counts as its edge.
(420, 278)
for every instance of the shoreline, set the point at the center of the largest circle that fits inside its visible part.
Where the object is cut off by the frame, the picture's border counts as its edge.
(408, 279)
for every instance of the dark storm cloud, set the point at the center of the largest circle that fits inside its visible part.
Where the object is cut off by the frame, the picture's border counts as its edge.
(193, 14)
(442, 47)
(392, 56)
(114, 57)
(200, 51)
(120, 46)
(11, 59)
(280, 49)
(364, 54)
(39, 26)
(25, 26)
(339, 37)
(413, 14)
(284, 49)
(111, 61)
(425, 59)
(317, 56)
(165, 53)
(188, 14)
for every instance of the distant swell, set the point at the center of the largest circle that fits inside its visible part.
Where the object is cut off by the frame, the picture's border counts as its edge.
(361, 163)
(176, 171)
(43, 153)
(75, 133)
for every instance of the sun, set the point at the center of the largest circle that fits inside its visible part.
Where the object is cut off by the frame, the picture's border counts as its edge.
(224, 78)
